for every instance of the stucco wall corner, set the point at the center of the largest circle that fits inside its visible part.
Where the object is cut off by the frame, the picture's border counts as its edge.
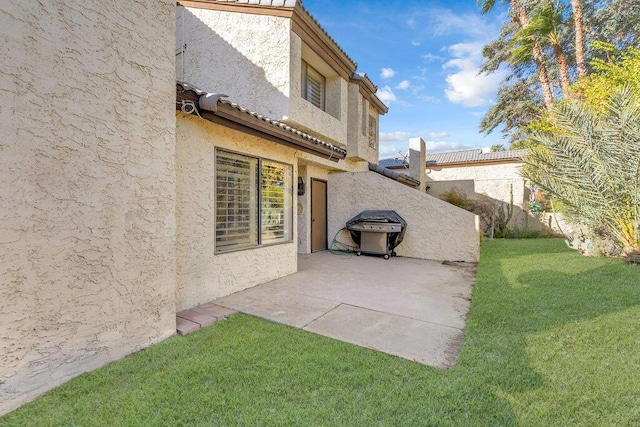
(87, 188)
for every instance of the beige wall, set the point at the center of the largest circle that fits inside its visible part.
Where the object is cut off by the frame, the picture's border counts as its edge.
(330, 124)
(256, 60)
(204, 275)
(436, 230)
(241, 55)
(494, 180)
(87, 187)
(358, 132)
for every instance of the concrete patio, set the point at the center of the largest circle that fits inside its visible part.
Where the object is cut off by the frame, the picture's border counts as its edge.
(407, 307)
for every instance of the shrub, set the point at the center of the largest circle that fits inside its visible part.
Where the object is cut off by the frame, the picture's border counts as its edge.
(492, 213)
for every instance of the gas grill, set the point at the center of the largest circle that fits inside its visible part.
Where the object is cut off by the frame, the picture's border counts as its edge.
(377, 232)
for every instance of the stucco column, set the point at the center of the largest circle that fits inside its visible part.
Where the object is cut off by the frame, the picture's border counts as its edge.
(417, 161)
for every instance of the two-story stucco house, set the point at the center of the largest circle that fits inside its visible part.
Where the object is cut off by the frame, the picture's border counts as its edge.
(276, 62)
(156, 156)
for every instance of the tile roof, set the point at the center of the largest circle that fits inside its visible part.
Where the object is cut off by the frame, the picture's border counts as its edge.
(396, 176)
(394, 163)
(457, 157)
(211, 101)
(473, 156)
(275, 3)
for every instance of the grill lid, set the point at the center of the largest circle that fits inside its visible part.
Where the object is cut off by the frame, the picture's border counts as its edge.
(379, 218)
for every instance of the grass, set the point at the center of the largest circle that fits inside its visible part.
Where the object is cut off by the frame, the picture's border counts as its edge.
(552, 339)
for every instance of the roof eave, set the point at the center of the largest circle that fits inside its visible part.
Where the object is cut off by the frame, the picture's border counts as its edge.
(368, 90)
(230, 117)
(314, 36)
(476, 162)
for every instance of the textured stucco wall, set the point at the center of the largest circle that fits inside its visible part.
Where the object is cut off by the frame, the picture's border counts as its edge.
(494, 180)
(354, 130)
(87, 187)
(436, 230)
(202, 274)
(306, 116)
(241, 55)
(438, 188)
(358, 127)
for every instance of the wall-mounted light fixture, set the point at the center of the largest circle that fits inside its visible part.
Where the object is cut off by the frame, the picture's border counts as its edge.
(301, 186)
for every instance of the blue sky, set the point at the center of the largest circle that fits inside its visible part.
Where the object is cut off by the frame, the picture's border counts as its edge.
(424, 57)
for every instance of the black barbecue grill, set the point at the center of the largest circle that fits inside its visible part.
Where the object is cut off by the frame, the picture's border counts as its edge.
(377, 232)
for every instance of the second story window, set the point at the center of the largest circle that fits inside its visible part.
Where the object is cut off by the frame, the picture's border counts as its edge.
(313, 86)
(373, 132)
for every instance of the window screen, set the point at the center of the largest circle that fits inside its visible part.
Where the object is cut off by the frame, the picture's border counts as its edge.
(373, 132)
(313, 86)
(236, 201)
(276, 202)
(254, 199)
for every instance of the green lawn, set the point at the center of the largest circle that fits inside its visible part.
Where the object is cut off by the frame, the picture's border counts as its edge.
(553, 338)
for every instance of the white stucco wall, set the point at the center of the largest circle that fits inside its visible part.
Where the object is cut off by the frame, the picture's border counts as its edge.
(256, 60)
(241, 55)
(330, 125)
(87, 187)
(436, 230)
(204, 275)
(358, 132)
(494, 180)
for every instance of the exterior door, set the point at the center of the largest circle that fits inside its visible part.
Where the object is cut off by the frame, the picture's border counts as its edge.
(318, 215)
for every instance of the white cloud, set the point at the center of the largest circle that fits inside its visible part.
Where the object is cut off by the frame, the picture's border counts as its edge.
(386, 95)
(429, 57)
(446, 22)
(393, 144)
(464, 85)
(466, 50)
(442, 146)
(436, 135)
(416, 91)
(415, 43)
(403, 85)
(396, 144)
(398, 136)
(387, 73)
(428, 99)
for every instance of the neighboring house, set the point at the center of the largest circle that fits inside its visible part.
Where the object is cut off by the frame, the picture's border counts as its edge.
(474, 172)
(127, 196)
(477, 171)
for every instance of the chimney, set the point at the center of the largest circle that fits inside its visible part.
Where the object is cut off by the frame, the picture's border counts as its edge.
(417, 161)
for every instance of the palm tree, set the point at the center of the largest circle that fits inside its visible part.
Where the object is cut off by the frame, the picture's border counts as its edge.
(527, 48)
(591, 162)
(546, 23)
(578, 20)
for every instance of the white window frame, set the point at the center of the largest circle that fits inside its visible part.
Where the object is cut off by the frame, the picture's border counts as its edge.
(254, 202)
(312, 79)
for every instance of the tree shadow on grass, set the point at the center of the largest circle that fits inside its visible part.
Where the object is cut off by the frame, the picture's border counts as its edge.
(533, 293)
